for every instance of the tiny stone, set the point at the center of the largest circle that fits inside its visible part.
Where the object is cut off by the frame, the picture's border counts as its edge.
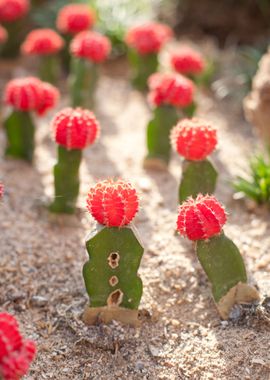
(39, 301)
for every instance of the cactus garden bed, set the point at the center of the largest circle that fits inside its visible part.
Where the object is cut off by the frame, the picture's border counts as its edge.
(181, 335)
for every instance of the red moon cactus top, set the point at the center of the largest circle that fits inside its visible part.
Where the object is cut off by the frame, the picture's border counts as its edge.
(194, 139)
(74, 18)
(12, 10)
(42, 42)
(30, 94)
(92, 46)
(16, 354)
(170, 89)
(75, 128)
(113, 204)
(186, 61)
(201, 218)
(148, 38)
(3, 35)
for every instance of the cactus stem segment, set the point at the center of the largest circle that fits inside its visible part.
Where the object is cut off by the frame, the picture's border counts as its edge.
(143, 66)
(225, 269)
(20, 132)
(158, 137)
(50, 68)
(66, 180)
(198, 177)
(83, 81)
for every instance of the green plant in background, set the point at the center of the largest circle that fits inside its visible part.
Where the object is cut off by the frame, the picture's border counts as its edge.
(195, 139)
(115, 253)
(257, 186)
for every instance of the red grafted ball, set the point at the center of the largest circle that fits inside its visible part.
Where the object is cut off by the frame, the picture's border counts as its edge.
(113, 204)
(170, 89)
(49, 98)
(75, 128)
(23, 93)
(12, 10)
(3, 35)
(16, 354)
(187, 61)
(74, 18)
(42, 42)
(201, 218)
(194, 139)
(148, 38)
(92, 46)
(2, 190)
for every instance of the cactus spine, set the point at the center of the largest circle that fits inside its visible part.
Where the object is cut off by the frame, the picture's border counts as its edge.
(198, 177)
(20, 131)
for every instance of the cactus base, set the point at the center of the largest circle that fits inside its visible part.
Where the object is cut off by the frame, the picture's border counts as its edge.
(240, 293)
(106, 314)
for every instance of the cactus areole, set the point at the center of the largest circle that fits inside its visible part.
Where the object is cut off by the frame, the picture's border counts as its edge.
(201, 220)
(24, 96)
(169, 94)
(73, 130)
(115, 252)
(195, 139)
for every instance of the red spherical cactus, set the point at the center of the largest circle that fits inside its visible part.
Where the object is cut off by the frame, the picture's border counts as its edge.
(42, 42)
(201, 218)
(113, 204)
(194, 139)
(91, 45)
(23, 94)
(74, 18)
(187, 61)
(170, 89)
(12, 10)
(75, 128)
(3, 35)
(148, 38)
(16, 354)
(49, 98)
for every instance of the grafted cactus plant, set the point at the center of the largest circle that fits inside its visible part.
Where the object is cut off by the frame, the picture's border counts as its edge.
(25, 96)
(195, 139)
(16, 353)
(13, 16)
(71, 20)
(73, 130)
(46, 44)
(145, 42)
(115, 253)
(171, 95)
(88, 49)
(201, 220)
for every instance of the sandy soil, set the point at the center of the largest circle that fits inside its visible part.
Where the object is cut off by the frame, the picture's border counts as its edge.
(41, 259)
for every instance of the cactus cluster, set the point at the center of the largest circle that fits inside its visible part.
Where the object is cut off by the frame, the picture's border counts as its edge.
(195, 139)
(115, 253)
(201, 220)
(16, 353)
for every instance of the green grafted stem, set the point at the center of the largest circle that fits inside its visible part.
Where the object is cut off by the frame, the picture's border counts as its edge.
(158, 133)
(142, 66)
(49, 70)
(197, 177)
(111, 273)
(66, 180)
(222, 263)
(20, 132)
(83, 80)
